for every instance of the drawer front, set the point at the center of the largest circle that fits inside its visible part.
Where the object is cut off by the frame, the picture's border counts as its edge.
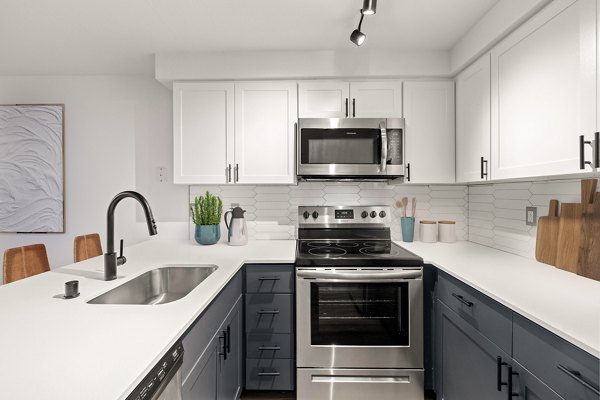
(275, 278)
(265, 345)
(269, 313)
(489, 317)
(275, 374)
(568, 370)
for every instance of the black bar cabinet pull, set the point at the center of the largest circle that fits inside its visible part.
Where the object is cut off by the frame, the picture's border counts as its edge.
(236, 173)
(511, 394)
(229, 173)
(484, 168)
(223, 351)
(269, 373)
(269, 278)
(274, 348)
(408, 172)
(462, 300)
(597, 149)
(353, 107)
(268, 312)
(228, 340)
(499, 365)
(577, 376)
(346, 107)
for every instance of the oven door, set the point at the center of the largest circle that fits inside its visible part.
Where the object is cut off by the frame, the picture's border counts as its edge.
(359, 318)
(342, 147)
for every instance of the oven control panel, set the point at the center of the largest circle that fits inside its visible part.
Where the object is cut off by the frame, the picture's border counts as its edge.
(340, 215)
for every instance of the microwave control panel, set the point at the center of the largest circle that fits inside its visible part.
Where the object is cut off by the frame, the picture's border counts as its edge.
(394, 137)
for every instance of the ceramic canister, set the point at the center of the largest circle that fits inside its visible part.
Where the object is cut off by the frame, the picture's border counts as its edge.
(447, 231)
(429, 230)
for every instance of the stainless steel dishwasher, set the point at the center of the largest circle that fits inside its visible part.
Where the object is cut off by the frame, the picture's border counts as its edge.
(164, 380)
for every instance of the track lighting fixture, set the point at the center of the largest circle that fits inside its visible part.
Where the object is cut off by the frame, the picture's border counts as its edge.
(357, 37)
(369, 8)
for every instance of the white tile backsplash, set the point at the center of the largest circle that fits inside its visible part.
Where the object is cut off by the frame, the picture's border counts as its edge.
(490, 214)
(271, 211)
(496, 212)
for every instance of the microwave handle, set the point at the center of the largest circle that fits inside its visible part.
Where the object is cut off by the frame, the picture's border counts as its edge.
(384, 147)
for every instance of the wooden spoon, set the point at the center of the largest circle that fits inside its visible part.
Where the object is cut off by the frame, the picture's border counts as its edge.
(414, 206)
(405, 205)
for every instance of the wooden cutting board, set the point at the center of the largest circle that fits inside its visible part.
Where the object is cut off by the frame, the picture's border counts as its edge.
(569, 236)
(589, 256)
(547, 235)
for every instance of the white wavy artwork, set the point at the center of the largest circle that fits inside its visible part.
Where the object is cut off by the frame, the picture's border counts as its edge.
(31, 168)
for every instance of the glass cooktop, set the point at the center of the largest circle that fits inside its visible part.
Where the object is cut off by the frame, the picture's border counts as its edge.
(346, 252)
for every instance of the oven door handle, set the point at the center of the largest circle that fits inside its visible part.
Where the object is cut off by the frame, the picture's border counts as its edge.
(384, 146)
(351, 276)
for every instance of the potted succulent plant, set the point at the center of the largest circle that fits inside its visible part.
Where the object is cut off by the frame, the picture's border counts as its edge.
(206, 214)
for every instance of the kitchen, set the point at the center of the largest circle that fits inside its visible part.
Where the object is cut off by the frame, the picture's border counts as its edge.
(174, 101)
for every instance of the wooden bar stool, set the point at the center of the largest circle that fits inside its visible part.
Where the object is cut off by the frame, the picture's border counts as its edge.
(86, 246)
(23, 262)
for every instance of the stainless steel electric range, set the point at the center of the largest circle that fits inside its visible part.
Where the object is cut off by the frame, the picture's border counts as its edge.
(359, 307)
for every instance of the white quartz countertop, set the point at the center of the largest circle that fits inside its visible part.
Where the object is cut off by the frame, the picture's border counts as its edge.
(562, 302)
(67, 349)
(57, 349)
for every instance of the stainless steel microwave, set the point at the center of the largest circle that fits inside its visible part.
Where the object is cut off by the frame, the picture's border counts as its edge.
(350, 148)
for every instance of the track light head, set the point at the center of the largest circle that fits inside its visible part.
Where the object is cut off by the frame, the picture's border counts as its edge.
(357, 37)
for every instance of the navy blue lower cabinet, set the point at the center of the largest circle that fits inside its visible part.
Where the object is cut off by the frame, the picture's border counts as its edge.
(269, 332)
(468, 365)
(529, 387)
(213, 349)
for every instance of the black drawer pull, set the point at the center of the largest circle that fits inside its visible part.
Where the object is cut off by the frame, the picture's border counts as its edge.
(462, 300)
(577, 376)
(511, 394)
(269, 278)
(499, 365)
(269, 348)
(273, 312)
(269, 374)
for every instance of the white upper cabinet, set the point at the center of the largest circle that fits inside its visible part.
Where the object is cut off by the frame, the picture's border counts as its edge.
(429, 131)
(473, 122)
(376, 99)
(324, 99)
(339, 99)
(227, 133)
(265, 117)
(202, 131)
(544, 92)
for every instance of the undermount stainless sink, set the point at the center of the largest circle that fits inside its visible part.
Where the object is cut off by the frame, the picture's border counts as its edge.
(158, 286)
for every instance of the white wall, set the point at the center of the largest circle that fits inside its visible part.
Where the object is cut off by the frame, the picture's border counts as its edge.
(118, 130)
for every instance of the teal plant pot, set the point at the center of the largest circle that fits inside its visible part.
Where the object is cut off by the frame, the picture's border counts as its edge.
(408, 228)
(208, 234)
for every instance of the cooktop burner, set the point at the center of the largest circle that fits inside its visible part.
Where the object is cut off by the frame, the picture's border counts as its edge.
(345, 252)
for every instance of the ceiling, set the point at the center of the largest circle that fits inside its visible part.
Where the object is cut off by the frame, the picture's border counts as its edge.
(117, 36)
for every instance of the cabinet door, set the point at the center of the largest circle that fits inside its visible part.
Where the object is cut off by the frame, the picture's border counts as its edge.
(429, 131)
(202, 132)
(473, 122)
(544, 92)
(326, 99)
(201, 383)
(265, 118)
(230, 369)
(466, 360)
(376, 99)
(528, 387)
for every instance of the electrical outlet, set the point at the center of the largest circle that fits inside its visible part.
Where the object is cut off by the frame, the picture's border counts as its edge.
(162, 174)
(531, 216)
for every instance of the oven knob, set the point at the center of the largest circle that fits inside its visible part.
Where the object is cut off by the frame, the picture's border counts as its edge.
(364, 214)
(382, 214)
(315, 215)
(306, 214)
(373, 214)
